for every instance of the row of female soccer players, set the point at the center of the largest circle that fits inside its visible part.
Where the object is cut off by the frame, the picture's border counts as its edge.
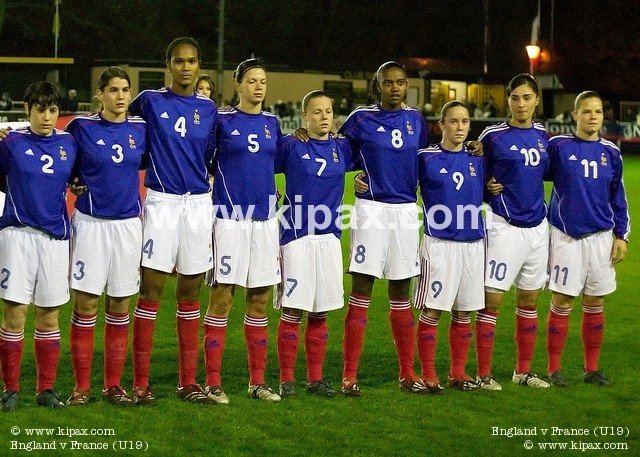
(383, 140)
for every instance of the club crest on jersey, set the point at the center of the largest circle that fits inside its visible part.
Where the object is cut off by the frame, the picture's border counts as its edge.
(267, 133)
(409, 128)
(196, 117)
(132, 142)
(540, 146)
(63, 154)
(472, 169)
(603, 160)
(334, 154)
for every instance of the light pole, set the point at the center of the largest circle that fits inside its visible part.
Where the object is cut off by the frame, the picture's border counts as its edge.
(533, 51)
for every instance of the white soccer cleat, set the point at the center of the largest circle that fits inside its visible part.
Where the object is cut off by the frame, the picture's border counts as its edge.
(529, 380)
(488, 383)
(263, 392)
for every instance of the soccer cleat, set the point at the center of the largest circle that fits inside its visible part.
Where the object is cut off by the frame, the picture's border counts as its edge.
(116, 395)
(78, 398)
(488, 383)
(596, 377)
(557, 379)
(321, 388)
(193, 393)
(143, 396)
(263, 392)
(464, 383)
(350, 388)
(413, 386)
(49, 399)
(529, 380)
(434, 387)
(287, 389)
(216, 395)
(9, 401)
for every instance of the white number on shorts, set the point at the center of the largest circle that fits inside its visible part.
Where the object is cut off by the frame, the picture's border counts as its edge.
(148, 248)
(458, 178)
(323, 165)
(227, 267)
(498, 270)
(7, 275)
(181, 126)
(396, 138)
(294, 284)
(359, 257)
(254, 146)
(565, 274)
(47, 167)
(594, 166)
(436, 287)
(119, 157)
(80, 274)
(531, 156)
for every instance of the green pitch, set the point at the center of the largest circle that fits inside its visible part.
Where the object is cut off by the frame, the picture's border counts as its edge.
(384, 421)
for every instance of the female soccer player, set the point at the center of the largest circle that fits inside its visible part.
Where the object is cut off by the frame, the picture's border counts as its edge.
(517, 239)
(177, 215)
(589, 231)
(245, 229)
(452, 249)
(311, 256)
(205, 86)
(107, 236)
(37, 163)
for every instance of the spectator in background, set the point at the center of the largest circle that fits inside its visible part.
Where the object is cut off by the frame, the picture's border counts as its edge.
(345, 108)
(204, 85)
(70, 103)
(6, 104)
(489, 108)
(427, 110)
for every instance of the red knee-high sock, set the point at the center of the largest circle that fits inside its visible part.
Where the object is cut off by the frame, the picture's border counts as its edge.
(188, 325)
(485, 336)
(288, 342)
(592, 332)
(402, 328)
(526, 332)
(459, 341)
(144, 319)
(315, 344)
(215, 336)
(355, 323)
(47, 349)
(557, 330)
(81, 340)
(257, 339)
(427, 345)
(116, 340)
(11, 349)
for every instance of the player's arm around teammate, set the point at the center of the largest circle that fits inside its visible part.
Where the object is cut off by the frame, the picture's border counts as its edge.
(34, 242)
(245, 229)
(177, 215)
(589, 229)
(107, 233)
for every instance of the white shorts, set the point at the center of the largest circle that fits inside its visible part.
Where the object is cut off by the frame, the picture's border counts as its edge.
(385, 239)
(583, 265)
(177, 233)
(516, 255)
(451, 275)
(34, 268)
(311, 274)
(247, 253)
(106, 253)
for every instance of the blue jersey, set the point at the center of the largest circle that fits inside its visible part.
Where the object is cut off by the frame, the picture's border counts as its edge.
(388, 143)
(181, 136)
(244, 185)
(109, 157)
(37, 170)
(452, 186)
(588, 191)
(518, 159)
(314, 173)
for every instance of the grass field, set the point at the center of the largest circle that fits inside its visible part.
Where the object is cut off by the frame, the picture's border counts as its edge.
(384, 421)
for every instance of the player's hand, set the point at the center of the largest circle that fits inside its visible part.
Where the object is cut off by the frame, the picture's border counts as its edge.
(618, 251)
(475, 148)
(494, 187)
(301, 134)
(76, 188)
(359, 184)
(4, 132)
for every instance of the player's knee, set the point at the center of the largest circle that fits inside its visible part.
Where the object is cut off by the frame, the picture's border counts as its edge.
(47, 319)
(590, 301)
(562, 301)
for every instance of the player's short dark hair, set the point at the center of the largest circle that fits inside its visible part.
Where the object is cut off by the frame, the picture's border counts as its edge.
(583, 96)
(375, 82)
(180, 41)
(43, 93)
(245, 66)
(109, 73)
(519, 80)
(451, 104)
(311, 95)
